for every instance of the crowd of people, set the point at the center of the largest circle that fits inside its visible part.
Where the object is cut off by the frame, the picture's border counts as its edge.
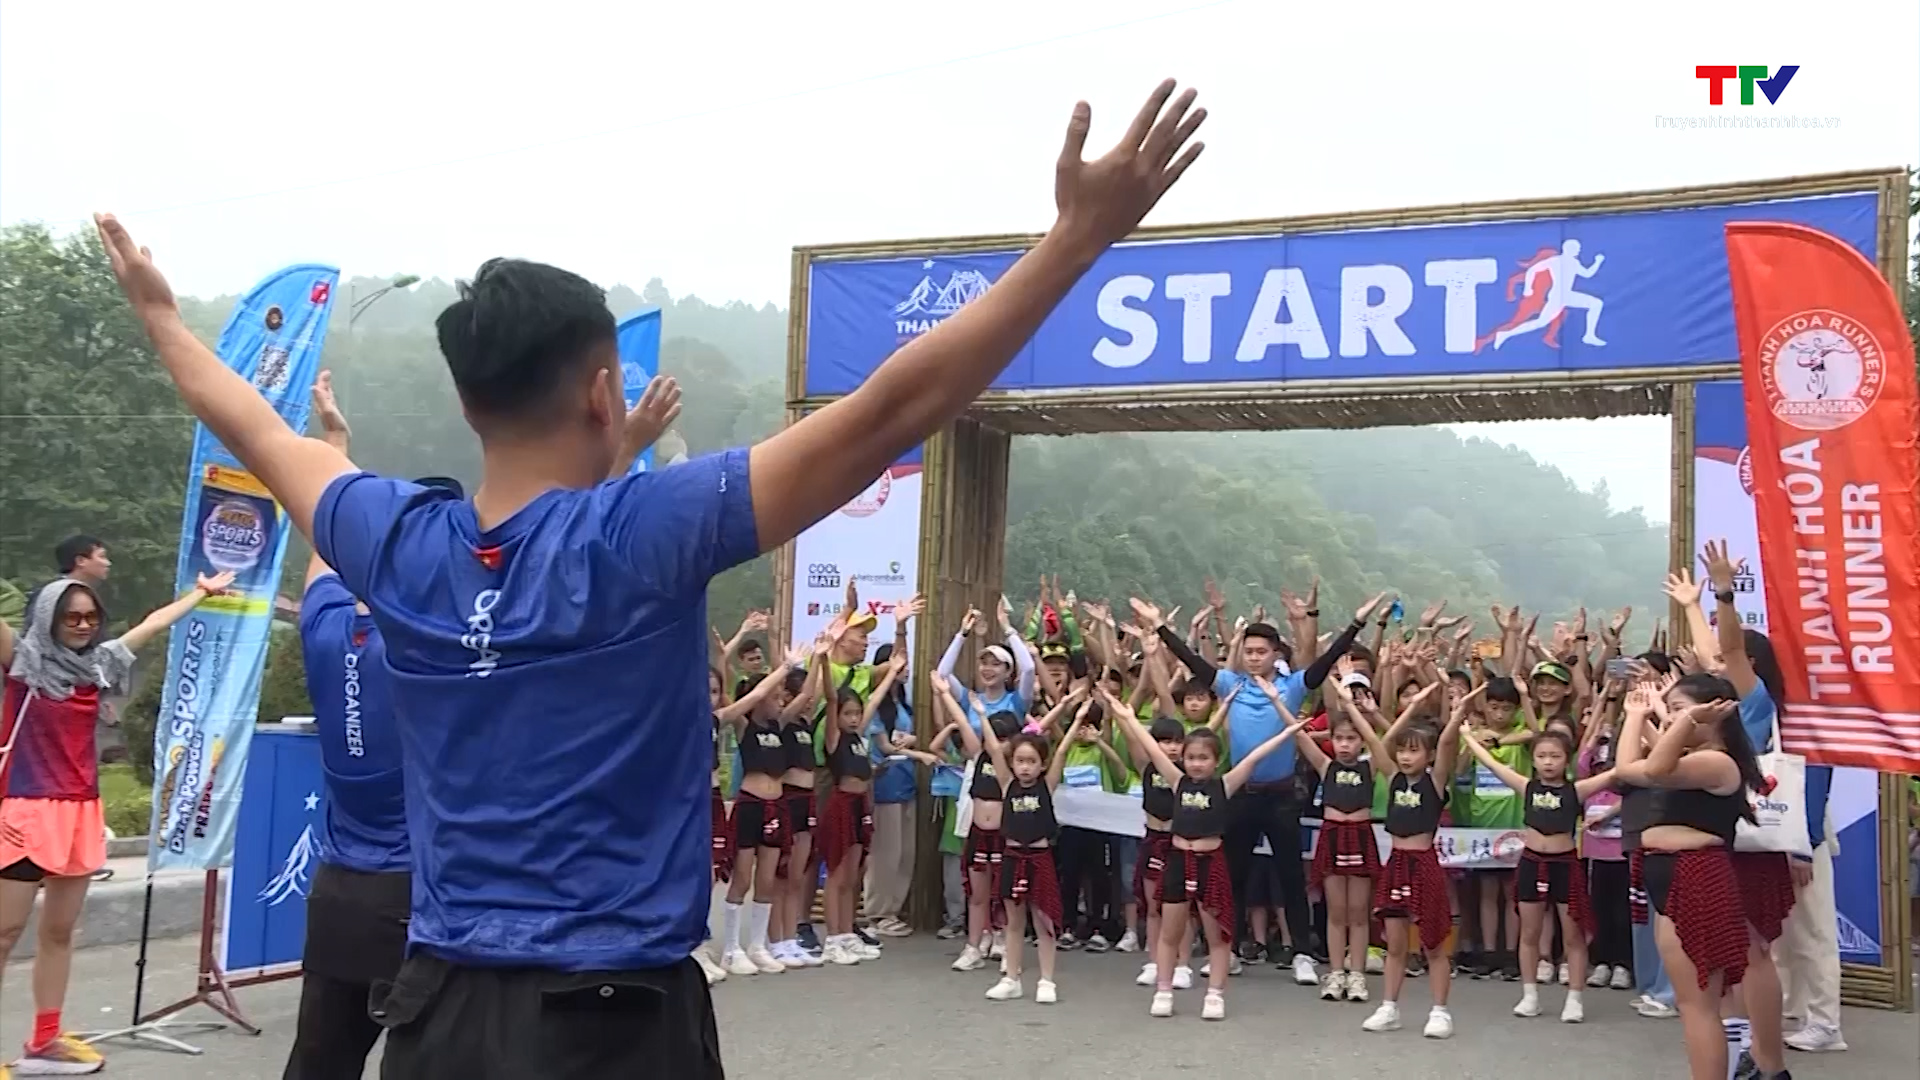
(1261, 761)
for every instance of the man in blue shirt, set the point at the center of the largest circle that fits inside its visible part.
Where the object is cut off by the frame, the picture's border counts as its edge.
(547, 641)
(1273, 799)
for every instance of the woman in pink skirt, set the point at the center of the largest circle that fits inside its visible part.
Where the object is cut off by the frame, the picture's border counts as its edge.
(52, 834)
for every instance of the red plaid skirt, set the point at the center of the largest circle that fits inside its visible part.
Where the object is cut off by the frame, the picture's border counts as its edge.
(1028, 876)
(1766, 889)
(1151, 866)
(849, 822)
(1413, 886)
(1636, 888)
(1200, 877)
(983, 852)
(1555, 879)
(1344, 849)
(1699, 891)
(722, 840)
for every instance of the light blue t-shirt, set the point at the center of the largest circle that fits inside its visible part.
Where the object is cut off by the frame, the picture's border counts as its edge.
(1252, 720)
(895, 781)
(1009, 700)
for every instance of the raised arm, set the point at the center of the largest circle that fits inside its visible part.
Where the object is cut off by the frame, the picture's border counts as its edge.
(1316, 672)
(957, 718)
(944, 670)
(335, 432)
(1507, 776)
(1685, 591)
(163, 618)
(1153, 622)
(813, 467)
(1057, 767)
(1729, 633)
(1022, 656)
(1138, 736)
(736, 713)
(296, 469)
(656, 410)
(1236, 777)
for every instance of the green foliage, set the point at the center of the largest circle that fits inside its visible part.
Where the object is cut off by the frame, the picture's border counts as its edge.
(125, 800)
(283, 686)
(139, 719)
(13, 604)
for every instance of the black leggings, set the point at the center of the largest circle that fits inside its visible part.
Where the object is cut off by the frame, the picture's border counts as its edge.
(1086, 861)
(1613, 919)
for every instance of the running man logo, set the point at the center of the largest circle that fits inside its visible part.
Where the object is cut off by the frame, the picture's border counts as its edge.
(1545, 283)
(1750, 76)
(928, 304)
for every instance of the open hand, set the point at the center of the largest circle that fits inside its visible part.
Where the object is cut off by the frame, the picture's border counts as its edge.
(333, 422)
(1146, 613)
(656, 410)
(1719, 566)
(1683, 589)
(909, 609)
(1103, 200)
(214, 585)
(1360, 614)
(145, 287)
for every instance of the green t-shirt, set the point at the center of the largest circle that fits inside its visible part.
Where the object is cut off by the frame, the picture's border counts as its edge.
(1086, 765)
(1490, 803)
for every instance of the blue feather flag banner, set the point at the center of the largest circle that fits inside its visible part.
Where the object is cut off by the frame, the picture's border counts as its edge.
(216, 654)
(638, 338)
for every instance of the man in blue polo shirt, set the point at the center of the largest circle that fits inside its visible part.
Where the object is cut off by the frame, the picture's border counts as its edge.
(1272, 801)
(547, 640)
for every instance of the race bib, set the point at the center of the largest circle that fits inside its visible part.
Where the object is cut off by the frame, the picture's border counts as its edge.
(1081, 776)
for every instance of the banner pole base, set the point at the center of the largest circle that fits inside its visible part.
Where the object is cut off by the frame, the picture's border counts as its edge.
(211, 989)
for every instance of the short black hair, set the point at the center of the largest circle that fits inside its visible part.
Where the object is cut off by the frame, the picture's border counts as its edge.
(1265, 632)
(1502, 689)
(518, 328)
(70, 551)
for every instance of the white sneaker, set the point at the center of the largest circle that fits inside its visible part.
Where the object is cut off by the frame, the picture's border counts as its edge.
(1622, 979)
(1149, 974)
(1656, 1010)
(1384, 1018)
(1573, 1012)
(1162, 1004)
(1183, 978)
(1045, 993)
(1599, 976)
(1129, 942)
(1529, 1003)
(1303, 970)
(1543, 972)
(1376, 962)
(793, 956)
(1356, 986)
(1565, 974)
(1439, 1023)
(999, 948)
(765, 961)
(1214, 1007)
(1006, 989)
(714, 972)
(736, 963)
(1333, 986)
(893, 927)
(1817, 1039)
(1233, 967)
(836, 953)
(860, 948)
(970, 959)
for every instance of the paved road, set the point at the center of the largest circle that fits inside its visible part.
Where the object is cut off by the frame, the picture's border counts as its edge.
(908, 1015)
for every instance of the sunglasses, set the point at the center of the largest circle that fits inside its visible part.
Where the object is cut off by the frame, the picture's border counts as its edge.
(78, 619)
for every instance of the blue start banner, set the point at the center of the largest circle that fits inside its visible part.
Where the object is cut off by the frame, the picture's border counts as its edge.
(638, 339)
(215, 655)
(276, 850)
(1582, 292)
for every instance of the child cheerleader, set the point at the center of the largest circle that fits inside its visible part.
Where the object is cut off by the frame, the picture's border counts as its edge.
(847, 828)
(1550, 872)
(1346, 858)
(1028, 882)
(1196, 870)
(1411, 889)
(761, 840)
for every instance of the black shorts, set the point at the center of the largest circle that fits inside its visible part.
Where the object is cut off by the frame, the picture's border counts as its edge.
(357, 924)
(1559, 881)
(801, 813)
(446, 1022)
(23, 870)
(1263, 882)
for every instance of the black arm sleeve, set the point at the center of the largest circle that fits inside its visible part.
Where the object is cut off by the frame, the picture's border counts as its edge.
(1200, 668)
(1322, 665)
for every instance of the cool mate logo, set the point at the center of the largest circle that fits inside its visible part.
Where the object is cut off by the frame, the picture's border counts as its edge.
(1750, 75)
(823, 576)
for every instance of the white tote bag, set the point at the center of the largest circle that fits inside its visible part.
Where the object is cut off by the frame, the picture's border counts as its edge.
(963, 813)
(1780, 811)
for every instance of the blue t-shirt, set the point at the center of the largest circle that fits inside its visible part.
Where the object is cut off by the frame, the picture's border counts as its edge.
(551, 677)
(1252, 720)
(365, 827)
(898, 781)
(1008, 700)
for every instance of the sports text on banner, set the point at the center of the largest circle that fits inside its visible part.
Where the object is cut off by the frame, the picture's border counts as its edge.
(1831, 413)
(215, 655)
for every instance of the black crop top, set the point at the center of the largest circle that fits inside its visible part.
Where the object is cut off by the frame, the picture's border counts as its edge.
(761, 750)
(1200, 808)
(1156, 796)
(797, 739)
(848, 759)
(1638, 805)
(1027, 817)
(1551, 811)
(1347, 788)
(1413, 806)
(1702, 810)
(986, 785)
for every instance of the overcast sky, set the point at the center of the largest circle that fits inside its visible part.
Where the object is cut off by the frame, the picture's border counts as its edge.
(699, 143)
